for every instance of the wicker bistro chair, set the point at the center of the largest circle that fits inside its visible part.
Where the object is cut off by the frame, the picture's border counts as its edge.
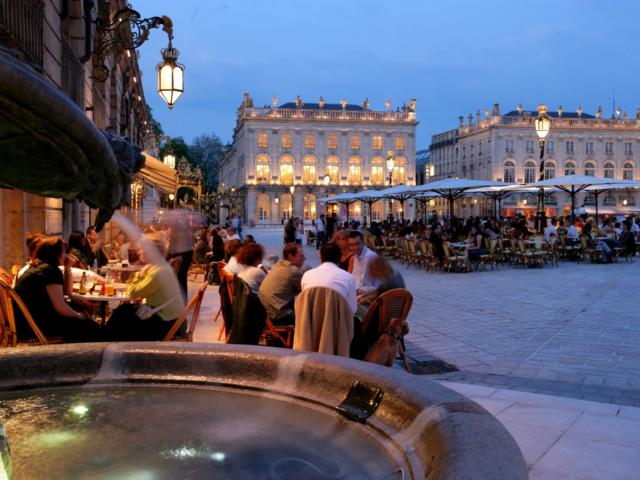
(454, 260)
(193, 308)
(389, 247)
(394, 303)
(505, 251)
(594, 254)
(8, 332)
(489, 257)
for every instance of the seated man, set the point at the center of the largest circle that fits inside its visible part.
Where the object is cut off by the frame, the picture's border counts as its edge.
(329, 275)
(362, 257)
(232, 235)
(280, 287)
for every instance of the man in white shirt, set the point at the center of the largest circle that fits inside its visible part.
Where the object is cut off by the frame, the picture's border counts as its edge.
(232, 235)
(362, 257)
(549, 230)
(329, 275)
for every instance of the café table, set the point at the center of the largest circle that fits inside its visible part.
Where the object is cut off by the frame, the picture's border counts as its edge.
(119, 296)
(122, 271)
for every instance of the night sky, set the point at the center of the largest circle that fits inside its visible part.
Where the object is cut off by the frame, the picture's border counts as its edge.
(453, 57)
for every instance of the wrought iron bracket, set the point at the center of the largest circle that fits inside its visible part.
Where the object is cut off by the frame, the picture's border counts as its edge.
(126, 31)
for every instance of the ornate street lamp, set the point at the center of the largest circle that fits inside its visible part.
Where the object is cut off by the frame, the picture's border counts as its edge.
(390, 164)
(542, 124)
(127, 31)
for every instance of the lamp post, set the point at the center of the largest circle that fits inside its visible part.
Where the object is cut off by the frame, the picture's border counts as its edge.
(172, 198)
(390, 164)
(542, 124)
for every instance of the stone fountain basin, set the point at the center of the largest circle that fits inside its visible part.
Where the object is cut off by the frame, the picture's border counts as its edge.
(429, 431)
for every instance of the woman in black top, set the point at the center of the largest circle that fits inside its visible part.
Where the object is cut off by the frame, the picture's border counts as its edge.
(341, 238)
(77, 250)
(42, 289)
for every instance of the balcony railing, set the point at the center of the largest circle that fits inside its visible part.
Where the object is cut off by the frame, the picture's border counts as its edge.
(268, 113)
(21, 27)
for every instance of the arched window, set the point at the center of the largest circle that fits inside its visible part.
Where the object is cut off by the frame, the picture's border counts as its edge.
(399, 171)
(530, 171)
(609, 169)
(549, 170)
(590, 169)
(333, 169)
(569, 168)
(589, 199)
(309, 206)
(309, 174)
(377, 171)
(286, 170)
(309, 140)
(509, 171)
(627, 171)
(286, 206)
(263, 204)
(262, 168)
(285, 140)
(609, 199)
(355, 170)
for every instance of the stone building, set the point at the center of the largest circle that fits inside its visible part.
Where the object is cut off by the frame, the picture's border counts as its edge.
(320, 149)
(59, 39)
(504, 147)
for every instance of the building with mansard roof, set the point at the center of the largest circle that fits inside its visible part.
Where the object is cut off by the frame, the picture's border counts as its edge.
(320, 149)
(504, 147)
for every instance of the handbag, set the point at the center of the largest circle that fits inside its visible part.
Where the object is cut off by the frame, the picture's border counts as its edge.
(145, 312)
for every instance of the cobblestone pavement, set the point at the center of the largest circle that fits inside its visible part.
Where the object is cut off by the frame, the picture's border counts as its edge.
(571, 331)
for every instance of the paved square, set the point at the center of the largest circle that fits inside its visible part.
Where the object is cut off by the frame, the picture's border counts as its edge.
(571, 331)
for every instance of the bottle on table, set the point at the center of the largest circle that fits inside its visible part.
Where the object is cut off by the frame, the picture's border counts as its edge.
(83, 284)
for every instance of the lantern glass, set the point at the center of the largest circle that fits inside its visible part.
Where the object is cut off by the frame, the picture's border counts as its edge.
(170, 81)
(170, 160)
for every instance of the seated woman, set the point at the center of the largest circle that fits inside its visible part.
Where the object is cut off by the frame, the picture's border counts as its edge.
(201, 249)
(42, 288)
(476, 248)
(341, 238)
(233, 267)
(77, 250)
(158, 285)
(250, 256)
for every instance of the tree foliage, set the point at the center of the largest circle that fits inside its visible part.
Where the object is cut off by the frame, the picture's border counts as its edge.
(154, 125)
(206, 151)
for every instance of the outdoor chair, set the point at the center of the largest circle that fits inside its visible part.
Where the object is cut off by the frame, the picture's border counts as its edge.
(505, 251)
(8, 331)
(394, 303)
(193, 308)
(453, 260)
(6, 276)
(226, 290)
(489, 257)
(594, 254)
(282, 334)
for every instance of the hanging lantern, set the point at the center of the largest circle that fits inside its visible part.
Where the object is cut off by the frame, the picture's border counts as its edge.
(170, 76)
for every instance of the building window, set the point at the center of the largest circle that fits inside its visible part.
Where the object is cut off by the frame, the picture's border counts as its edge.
(309, 140)
(286, 204)
(377, 171)
(355, 142)
(569, 168)
(399, 143)
(590, 169)
(589, 199)
(509, 171)
(530, 146)
(286, 174)
(262, 169)
(530, 171)
(377, 211)
(627, 149)
(309, 174)
(550, 146)
(608, 148)
(627, 171)
(332, 141)
(309, 206)
(399, 171)
(609, 200)
(480, 149)
(263, 140)
(332, 169)
(354, 174)
(569, 148)
(263, 205)
(377, 142)
(549, 170)
(285, 140)
(609, 169)
(508, 146)
(588, 148)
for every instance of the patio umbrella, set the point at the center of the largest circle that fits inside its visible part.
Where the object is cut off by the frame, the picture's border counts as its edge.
(496, 194)
(573, 184)
(454, 188)
(369, 197)
(402, 193)
(342, 198)
(598, 189)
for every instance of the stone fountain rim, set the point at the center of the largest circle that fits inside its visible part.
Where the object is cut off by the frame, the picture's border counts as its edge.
(457, 439)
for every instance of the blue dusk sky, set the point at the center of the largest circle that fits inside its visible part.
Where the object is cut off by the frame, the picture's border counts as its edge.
(454, 57)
